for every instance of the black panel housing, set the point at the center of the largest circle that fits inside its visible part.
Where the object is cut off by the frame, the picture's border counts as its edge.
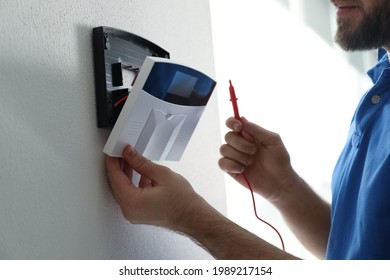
(116, 53)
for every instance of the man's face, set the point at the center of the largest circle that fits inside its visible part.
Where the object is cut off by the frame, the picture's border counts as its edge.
(362, 24)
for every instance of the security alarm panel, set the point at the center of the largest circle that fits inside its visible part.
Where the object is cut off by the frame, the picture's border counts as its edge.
(161, 111)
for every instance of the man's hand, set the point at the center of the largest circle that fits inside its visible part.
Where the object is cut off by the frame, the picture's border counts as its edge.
(259, 153)
(161, 197)
(262, 156)
(166, 199)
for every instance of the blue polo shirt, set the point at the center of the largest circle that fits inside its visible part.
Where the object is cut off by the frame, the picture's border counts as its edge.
(360, 226)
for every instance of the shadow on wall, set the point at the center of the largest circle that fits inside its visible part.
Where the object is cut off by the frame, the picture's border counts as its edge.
(48, 128)
(54, 187)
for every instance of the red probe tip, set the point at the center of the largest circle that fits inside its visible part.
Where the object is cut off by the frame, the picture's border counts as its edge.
(233, 99)
(232, 92)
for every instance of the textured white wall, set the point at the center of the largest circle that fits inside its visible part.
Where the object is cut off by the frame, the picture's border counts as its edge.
(54, 198)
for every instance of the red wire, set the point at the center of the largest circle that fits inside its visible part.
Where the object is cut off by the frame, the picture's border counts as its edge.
(121, 100)
(233, 99)
(257, 216)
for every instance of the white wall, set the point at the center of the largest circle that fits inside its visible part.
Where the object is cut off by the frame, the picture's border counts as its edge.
(54, 199)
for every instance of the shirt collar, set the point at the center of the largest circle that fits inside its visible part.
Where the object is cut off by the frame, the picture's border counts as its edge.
(383, 64)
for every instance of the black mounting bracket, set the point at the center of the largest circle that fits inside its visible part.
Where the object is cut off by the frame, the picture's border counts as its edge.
(118, 56)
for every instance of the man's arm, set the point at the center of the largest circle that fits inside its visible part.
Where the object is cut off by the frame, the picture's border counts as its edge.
(166, 199)
(223, 238)
(308, 217)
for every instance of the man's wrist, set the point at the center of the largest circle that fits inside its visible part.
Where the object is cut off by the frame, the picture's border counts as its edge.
(292, 186)
(196, 211)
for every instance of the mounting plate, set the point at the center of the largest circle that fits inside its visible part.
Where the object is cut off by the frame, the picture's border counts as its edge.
(118, 56)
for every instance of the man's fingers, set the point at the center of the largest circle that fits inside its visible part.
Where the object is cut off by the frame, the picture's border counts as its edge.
(145, 182)
(231, 166)
(240, 144)
(234, 124)
(114, 170)
(242, 156)
(120, 183)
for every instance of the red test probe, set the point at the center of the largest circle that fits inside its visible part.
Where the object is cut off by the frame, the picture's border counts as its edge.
(234, 99)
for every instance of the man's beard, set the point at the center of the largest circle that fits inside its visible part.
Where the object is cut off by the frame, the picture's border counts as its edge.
(373, 31)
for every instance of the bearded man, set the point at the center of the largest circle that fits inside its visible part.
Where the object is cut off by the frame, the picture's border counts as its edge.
(357, 223)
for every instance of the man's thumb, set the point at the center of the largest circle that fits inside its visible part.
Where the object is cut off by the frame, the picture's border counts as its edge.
(141, 164)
